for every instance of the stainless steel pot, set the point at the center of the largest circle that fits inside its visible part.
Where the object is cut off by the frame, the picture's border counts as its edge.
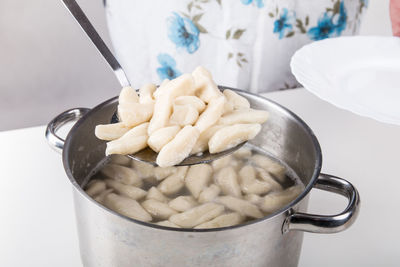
(110, 239)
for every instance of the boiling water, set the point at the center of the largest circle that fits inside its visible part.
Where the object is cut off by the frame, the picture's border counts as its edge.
(289, 180)
(291, 177)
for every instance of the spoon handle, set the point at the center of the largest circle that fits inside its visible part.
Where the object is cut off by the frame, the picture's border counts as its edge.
(91, 32)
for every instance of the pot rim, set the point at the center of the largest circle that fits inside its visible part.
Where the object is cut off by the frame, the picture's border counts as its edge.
(307, 189)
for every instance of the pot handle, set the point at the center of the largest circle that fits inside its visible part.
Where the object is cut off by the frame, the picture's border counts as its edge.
(327, 223)
(56, 142)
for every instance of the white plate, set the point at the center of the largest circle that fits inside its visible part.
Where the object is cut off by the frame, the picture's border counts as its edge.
(360, 74)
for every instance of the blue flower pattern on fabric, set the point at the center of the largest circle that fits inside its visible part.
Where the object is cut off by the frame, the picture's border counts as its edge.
(342, 20)
(331, 23)
(283, 24)
(183, 33)
(167, 69)
(326, 26)
(184, 28)
(258, 3)
(324, 29)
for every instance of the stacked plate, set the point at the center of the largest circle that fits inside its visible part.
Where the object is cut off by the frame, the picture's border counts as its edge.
(360, 74)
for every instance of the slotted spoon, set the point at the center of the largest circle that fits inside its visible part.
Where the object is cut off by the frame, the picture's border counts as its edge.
(145, 155)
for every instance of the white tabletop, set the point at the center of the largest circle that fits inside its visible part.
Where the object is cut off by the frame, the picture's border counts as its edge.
(37, 223)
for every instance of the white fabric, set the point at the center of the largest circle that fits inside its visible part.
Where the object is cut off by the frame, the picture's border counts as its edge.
(140, 32)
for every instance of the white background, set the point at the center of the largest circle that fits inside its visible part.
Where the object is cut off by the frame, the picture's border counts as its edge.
(47, 65)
